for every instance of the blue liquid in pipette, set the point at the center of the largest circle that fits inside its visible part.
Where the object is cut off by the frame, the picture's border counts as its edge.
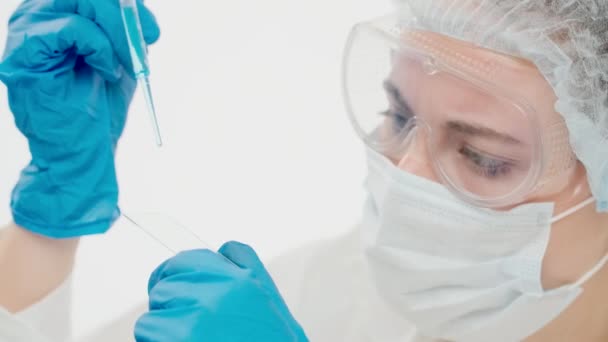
(137, 48)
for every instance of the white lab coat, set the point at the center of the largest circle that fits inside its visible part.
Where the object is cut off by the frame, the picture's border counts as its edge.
(328, 289)
(14, 329)
(46, 321)
(326, 286)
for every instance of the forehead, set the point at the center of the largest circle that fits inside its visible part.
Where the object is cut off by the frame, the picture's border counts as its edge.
(441, 100)
(515, 77)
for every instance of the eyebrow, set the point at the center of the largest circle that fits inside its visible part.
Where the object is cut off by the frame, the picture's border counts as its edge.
(454, 125)
(478, 131)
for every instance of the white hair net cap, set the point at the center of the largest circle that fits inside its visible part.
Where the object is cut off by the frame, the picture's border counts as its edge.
(568, 42)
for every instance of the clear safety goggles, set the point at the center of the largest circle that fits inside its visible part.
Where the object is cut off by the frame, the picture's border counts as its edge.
(404, 89)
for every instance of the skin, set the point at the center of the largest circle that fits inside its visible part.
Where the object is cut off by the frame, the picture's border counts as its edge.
(577, 242)
(32, 266)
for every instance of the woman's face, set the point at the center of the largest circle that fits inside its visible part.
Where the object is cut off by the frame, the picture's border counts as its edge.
(485, 140)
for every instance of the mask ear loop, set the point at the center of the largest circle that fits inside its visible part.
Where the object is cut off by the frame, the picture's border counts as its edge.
(591, 272)
(572, 210)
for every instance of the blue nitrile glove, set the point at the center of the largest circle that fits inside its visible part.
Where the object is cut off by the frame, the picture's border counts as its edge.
(227, 296)
(69, 78)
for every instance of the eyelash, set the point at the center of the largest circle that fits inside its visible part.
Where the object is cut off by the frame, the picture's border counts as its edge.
(484, 166)
(398, 116)
(399, 109)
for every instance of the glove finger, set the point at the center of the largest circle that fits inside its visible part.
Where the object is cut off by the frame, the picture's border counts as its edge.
(244, 256)
(198, 260)
(107, 14)
(194, 288)
(149, 24)
(90, 42)
(45, 46)
(176, 324)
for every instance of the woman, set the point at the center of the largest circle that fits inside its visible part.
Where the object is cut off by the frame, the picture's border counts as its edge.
(485, 125)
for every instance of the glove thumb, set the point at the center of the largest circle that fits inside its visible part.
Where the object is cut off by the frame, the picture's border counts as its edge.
(244, 256)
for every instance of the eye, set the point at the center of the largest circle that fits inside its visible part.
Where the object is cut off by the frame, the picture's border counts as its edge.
(399, 113)
(396, 119)
(486, 165)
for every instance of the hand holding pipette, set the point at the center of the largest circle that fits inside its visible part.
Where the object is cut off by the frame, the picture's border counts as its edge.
(63, 67)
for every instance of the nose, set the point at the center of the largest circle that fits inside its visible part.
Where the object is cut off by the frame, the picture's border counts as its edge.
(416, 159)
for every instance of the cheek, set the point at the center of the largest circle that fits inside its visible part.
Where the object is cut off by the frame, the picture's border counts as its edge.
(566, 259)
(560, 265)
(577, 244)
(574, 246)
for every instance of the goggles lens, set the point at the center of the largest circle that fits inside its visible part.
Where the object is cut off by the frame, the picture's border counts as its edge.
(401, 89)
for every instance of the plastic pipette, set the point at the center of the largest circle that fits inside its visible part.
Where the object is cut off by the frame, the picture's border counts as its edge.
(139, 57)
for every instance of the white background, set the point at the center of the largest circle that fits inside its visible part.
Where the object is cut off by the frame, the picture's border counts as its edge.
(258, 145)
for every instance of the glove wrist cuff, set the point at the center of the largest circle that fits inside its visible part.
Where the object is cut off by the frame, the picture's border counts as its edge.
(53, 203)
(65, 232)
